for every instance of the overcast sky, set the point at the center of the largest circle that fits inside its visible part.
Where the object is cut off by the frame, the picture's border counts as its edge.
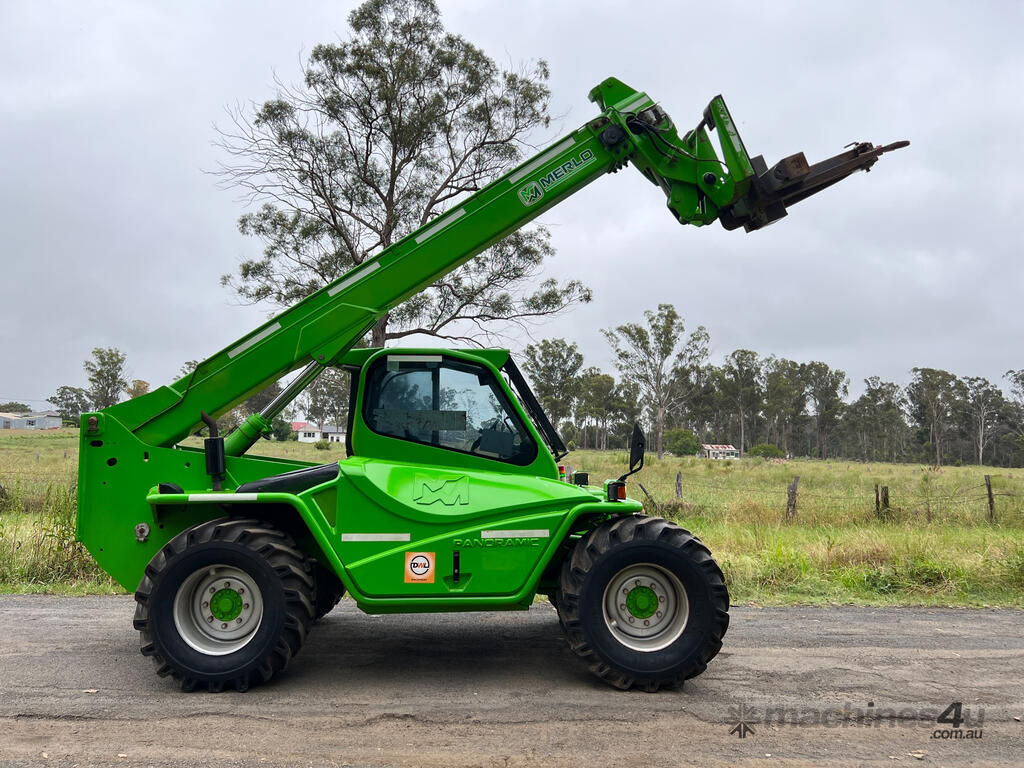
(113, 235)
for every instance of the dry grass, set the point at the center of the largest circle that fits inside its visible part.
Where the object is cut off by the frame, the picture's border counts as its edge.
(935, 546)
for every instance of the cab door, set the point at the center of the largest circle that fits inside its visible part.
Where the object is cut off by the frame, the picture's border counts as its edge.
(447, 499)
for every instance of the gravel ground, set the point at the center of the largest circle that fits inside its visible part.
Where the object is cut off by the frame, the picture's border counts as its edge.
(817, 686)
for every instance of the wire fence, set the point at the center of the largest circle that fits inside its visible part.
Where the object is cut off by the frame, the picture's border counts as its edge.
(998, 499)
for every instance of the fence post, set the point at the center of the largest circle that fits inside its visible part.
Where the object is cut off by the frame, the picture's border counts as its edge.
(679, 485)
(885, 498)
(650, 498)
(791, 498)
(878, 503)
(991, 499)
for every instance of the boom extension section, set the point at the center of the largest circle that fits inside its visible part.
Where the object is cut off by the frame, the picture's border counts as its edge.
(699, 187)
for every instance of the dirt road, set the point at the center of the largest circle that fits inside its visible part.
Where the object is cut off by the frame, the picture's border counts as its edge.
(805, 686)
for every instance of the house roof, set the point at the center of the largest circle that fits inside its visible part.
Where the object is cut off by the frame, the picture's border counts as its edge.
(711, 447)
(308, 426)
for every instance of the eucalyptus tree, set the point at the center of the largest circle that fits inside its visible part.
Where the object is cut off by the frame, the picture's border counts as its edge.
(657, 358)
(387, 130)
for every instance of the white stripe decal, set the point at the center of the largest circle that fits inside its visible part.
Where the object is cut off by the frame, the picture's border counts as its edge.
(375, 537)
(272, 328)
(539, 533)
(414, 358)
(547, 157)
(446, 219)
(635, 103)
(225, 497)
(373, 266)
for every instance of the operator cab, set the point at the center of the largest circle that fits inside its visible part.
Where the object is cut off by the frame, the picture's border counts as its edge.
(445, 402)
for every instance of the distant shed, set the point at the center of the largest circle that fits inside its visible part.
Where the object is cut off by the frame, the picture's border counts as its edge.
(40, 420)
(709, 451)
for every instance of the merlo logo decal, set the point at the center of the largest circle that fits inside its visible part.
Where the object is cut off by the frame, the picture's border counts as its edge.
(448, 491)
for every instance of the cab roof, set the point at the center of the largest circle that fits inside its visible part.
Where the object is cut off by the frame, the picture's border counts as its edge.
(358, 357)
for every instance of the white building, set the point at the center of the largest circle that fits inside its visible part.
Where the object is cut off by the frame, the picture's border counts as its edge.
(40, 420)
(311, 433)
(709, 451)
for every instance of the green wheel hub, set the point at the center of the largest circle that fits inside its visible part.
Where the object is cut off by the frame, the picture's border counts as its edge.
(226, 605)
(642, 602)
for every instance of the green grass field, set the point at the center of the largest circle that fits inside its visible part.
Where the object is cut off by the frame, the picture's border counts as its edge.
(935, 544)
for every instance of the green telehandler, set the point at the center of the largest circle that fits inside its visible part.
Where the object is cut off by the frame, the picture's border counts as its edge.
(450, 498)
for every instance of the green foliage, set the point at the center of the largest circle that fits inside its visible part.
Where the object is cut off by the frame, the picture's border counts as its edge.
(826, 389)
(326, 399)
(935, 398)
(652, 359)
(71, 402)
(283, 430)
(322, 445)
(387, 130)
(738, 381)
(553, 366)
(682, 442)
(14, 407)
(107, 378)
(766, 451)
(37, 540)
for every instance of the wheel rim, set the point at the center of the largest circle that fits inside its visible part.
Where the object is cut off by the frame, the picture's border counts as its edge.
(218, 609)
(645, 607)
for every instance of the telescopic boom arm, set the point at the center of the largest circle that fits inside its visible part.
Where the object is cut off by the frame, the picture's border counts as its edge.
(631, 128)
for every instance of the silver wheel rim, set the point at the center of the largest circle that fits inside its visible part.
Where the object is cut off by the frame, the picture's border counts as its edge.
(194, 617)
(638, 629)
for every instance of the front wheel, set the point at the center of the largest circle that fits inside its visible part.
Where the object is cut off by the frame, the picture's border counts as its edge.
(643, 601)
(225, 604)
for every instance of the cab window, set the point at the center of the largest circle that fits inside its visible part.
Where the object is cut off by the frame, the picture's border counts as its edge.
(446, 403)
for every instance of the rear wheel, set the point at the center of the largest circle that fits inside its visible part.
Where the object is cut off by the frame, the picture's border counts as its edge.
(643, 602)
(225, 604)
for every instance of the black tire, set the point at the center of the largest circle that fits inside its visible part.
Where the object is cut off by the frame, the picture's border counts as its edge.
(328, 593)
(273, 623)
(681, 569)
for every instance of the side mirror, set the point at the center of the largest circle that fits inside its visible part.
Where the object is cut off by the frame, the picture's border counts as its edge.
(637, 448)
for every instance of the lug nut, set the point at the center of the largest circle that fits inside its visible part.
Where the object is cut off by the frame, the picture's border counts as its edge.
(209, 618)
(206, 604)
(245, 606)
(241, 590)
(227, 584)
(223, 626)
(625, 591)
(637, 582)
(631, 619)
(238, 620)
(622, 607)
(658, 614)
(661, 599)
(647, 623)
(212, 590)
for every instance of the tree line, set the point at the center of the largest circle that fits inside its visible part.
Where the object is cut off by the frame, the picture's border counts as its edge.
(769, 405)
(107, 378)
